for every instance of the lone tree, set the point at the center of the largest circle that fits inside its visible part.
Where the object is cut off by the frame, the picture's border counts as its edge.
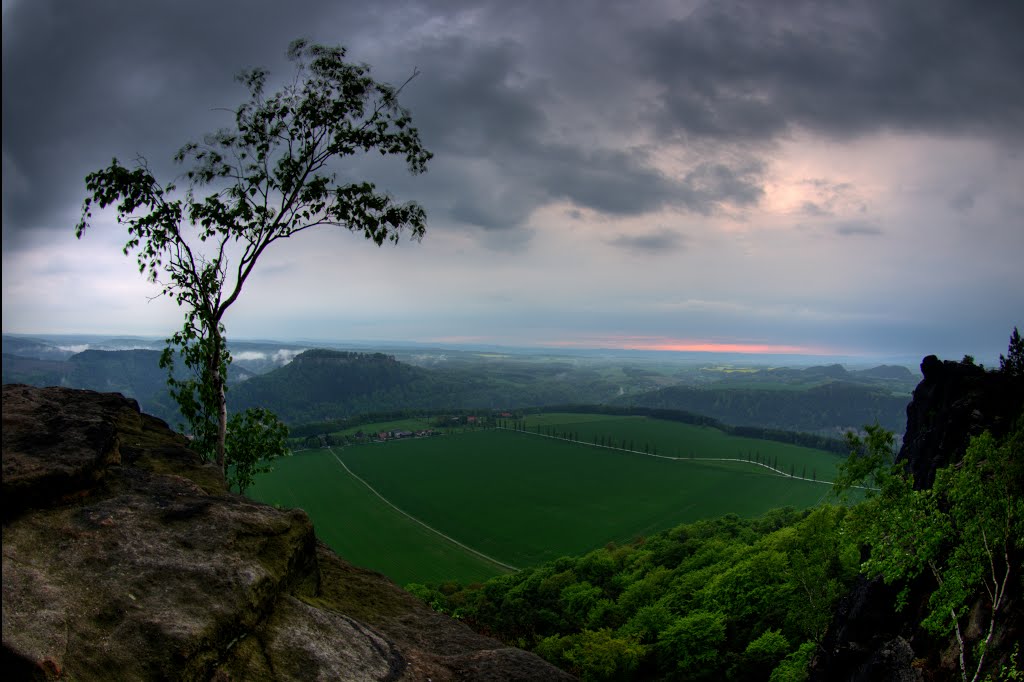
(266, 179)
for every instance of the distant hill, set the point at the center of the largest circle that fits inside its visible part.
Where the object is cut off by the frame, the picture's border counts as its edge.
(893, 372)
(37, 349)
(323, 384)
(33, 371)
(892, 378)
(829, 408)
(133, 373)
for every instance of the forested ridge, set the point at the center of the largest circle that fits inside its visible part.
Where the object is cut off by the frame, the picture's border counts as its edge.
(822, 407)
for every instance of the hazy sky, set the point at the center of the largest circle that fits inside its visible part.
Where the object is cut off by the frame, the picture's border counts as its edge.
(835, 177)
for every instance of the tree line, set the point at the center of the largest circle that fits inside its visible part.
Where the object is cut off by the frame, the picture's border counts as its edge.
(808, 440)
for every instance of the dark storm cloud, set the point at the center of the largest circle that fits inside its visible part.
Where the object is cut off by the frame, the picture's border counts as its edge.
(754, 69)
(474, 101)
(523, 103)
(477, 102)
(613, 182)
(83, 82)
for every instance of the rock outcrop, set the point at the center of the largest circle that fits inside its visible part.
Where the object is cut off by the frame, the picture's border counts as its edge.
(868, 640)
(953, 403)
(124, 557)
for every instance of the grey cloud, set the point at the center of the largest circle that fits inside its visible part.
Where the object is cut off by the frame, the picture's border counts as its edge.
(653, 242)
(615, 182)
(962, 201)
(488, 100)
(855, 229)
(489, 206)
(711, 184)
(811, 208)
(474, 101)
(831, 199)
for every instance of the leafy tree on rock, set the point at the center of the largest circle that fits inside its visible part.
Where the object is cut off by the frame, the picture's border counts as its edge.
(965, 531)
(267, 178)
(254, 438)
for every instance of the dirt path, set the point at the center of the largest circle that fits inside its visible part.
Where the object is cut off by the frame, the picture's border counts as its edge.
(416, 520)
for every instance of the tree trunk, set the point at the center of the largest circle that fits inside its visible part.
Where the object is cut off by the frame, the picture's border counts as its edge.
(219, 381)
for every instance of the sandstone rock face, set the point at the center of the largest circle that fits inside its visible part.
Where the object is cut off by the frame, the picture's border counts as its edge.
(124, 557)
(953, 403)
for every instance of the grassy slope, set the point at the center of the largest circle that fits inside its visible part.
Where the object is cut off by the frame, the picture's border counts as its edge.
(684, 440)
(360, 527)
(524, 499)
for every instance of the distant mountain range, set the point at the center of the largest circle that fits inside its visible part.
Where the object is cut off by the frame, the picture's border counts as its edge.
(317, 385)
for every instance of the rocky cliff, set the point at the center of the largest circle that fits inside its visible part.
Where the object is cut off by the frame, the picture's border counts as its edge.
(124, 557)
(954, 402)
(868, 640)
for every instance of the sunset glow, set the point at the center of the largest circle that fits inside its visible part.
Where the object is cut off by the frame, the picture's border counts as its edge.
(692, 346)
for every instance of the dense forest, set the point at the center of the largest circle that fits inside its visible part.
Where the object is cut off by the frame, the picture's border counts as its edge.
(719, 599)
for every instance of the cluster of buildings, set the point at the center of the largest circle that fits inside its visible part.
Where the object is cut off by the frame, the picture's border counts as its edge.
(398, 434)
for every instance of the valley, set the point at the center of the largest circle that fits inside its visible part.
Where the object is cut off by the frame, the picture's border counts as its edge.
(525, 497)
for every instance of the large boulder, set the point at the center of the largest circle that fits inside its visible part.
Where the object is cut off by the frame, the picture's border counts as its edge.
(125, 557)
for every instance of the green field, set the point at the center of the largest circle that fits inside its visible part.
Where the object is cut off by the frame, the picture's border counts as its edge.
(362, 528)
(523, 499)
(675, 439)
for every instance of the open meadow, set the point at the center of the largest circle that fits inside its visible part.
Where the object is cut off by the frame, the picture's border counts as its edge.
(520, 498)
(362, 528)
(675, 439)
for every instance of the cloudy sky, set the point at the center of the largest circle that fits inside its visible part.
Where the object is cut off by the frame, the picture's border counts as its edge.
(842, 177)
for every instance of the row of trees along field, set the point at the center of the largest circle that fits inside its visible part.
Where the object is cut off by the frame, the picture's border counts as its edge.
(733, 599)
(807, 440)
(610, 442)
